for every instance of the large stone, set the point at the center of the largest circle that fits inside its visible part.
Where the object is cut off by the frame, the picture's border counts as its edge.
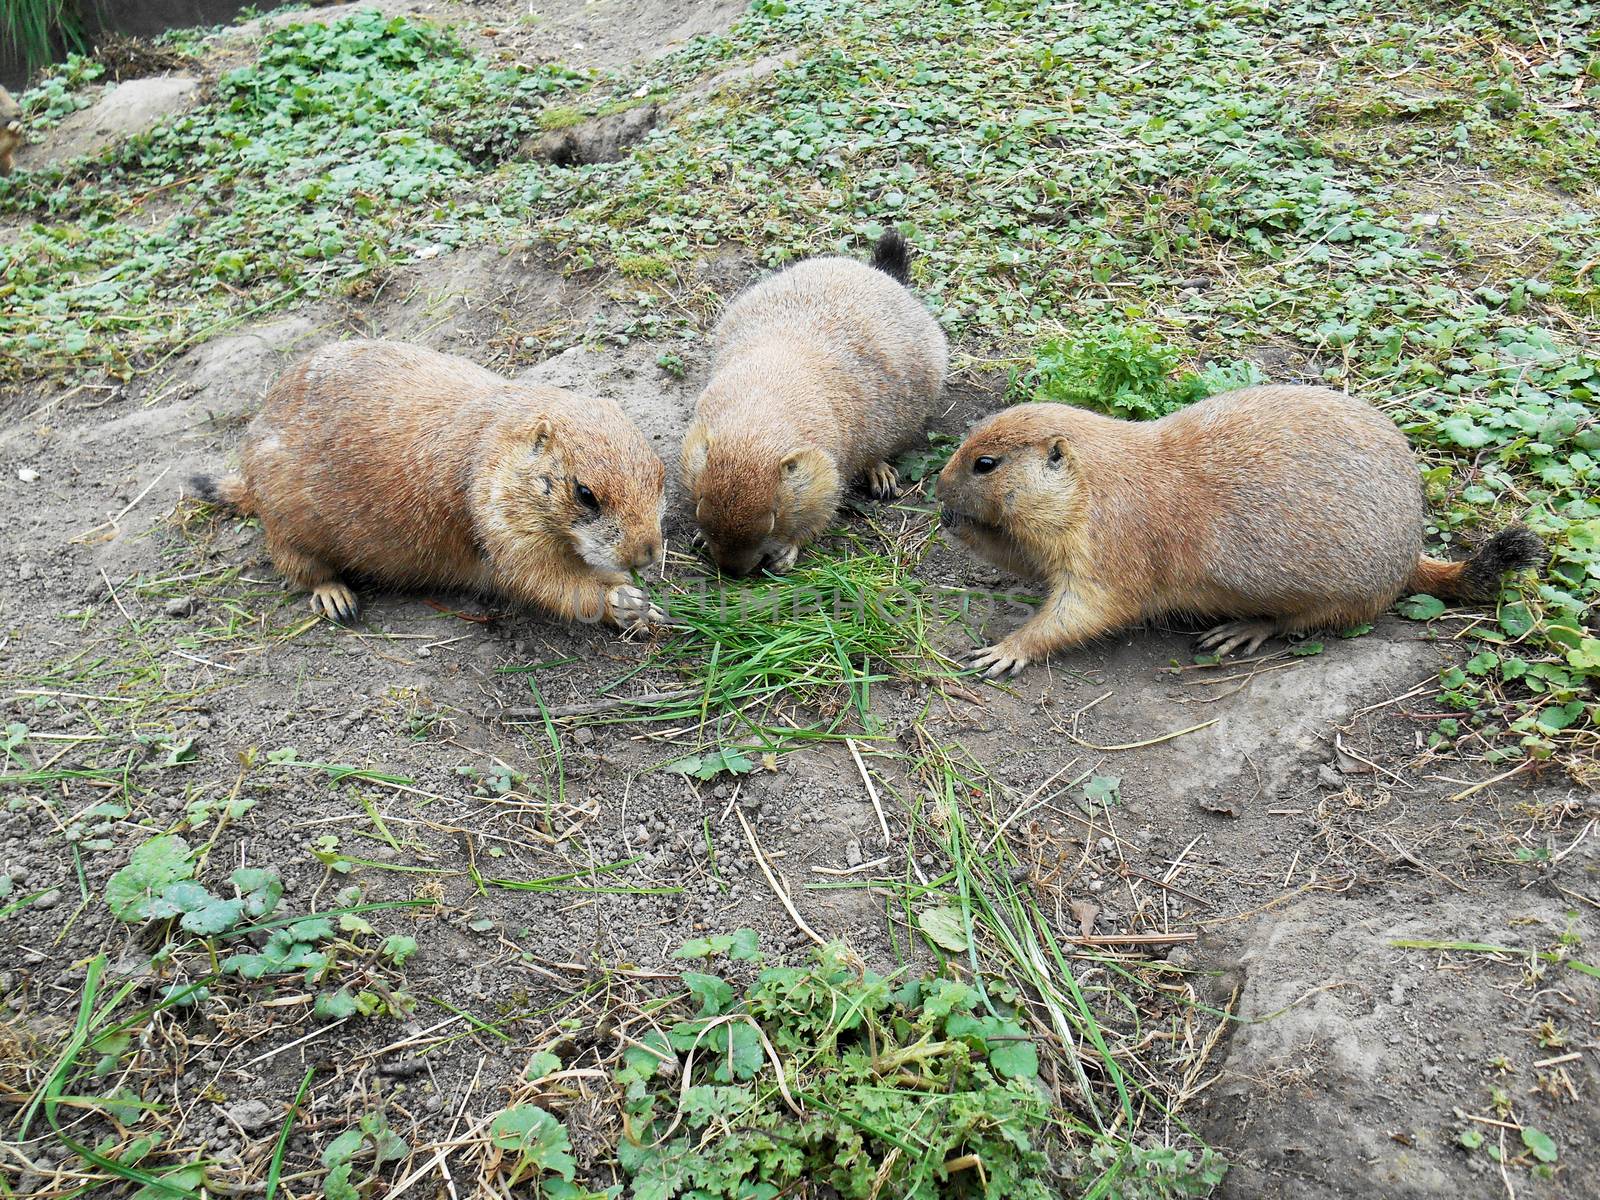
(128, 108)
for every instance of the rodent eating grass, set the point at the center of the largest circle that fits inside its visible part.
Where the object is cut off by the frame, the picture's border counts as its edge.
(821, 375)
(414, 468)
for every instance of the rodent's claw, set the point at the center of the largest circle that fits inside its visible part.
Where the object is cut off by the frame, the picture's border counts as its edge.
(783, 560)
(883, 481)
(1245, 636)
(997, 661)
(336, 602)
(632, 607)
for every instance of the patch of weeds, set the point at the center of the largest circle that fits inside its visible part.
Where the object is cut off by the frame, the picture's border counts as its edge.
(59, 92)
(158, 884)
(831, 1074)
(643, 266)
(302, 172)
(917, 465)
(985, 913)
(530, 1144)
(711, 764)
(1123, 371)
(371, 1143)
(560, 116)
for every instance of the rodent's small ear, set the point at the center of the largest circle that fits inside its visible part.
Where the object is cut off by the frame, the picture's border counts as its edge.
(1056, 453)
(805, 460)
(539, 438)
(696, 446)
(807, 472)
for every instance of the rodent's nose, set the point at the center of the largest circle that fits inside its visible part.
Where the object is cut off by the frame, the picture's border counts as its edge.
(738, 565)
(646, 555)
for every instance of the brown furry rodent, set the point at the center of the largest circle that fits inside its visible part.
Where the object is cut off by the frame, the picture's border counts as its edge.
(11, 137)
(821, 374)
(1289, 508)
(414, 468)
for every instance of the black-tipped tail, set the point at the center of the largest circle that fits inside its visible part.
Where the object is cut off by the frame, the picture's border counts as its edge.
(893, 257)
(228, 491)
(1512, 549)
(1477, 579)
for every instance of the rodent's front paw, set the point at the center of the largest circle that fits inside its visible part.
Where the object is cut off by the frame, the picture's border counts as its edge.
(782, 559)
(999, 661)
(631, 606)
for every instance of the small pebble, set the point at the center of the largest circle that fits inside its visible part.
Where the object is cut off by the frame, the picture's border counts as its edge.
(250, 1115)
(852, 853)
(49, 900)
(28, 475)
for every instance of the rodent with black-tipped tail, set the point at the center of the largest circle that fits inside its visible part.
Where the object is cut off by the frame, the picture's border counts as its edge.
(1286, 509)
(820, 376)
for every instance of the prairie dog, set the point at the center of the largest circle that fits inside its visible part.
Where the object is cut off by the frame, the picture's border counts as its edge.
(1287, 508)
(11, 138)
(820, 375)
(410, 467)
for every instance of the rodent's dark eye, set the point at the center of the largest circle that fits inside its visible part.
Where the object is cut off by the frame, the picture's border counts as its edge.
(586, 497)
(983, 465)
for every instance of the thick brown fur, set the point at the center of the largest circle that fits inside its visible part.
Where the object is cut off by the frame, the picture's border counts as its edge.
(1287, 508)
(412, 468)
(821, 375)
(11, 137)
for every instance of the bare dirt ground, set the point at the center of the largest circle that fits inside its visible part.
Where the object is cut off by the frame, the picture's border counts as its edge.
(1298, 823)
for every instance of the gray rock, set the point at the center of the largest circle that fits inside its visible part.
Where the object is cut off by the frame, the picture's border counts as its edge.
(250, 1115)
(180, 606)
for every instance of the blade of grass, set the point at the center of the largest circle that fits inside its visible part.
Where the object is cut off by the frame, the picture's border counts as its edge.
(275, 1167)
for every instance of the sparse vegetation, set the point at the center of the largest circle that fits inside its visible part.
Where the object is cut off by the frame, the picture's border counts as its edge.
(1126, 211)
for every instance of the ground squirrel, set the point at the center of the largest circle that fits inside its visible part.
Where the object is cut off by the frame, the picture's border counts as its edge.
(1288, 508)
(11, 138)
(409, 467)
(821, 374)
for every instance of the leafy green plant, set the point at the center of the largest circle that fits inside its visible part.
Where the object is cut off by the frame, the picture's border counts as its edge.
(916, 465)
(831, 1074)
(158, 884)
(1123, 371)
(371, 1136)
(729, 761)
(536, 1144)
